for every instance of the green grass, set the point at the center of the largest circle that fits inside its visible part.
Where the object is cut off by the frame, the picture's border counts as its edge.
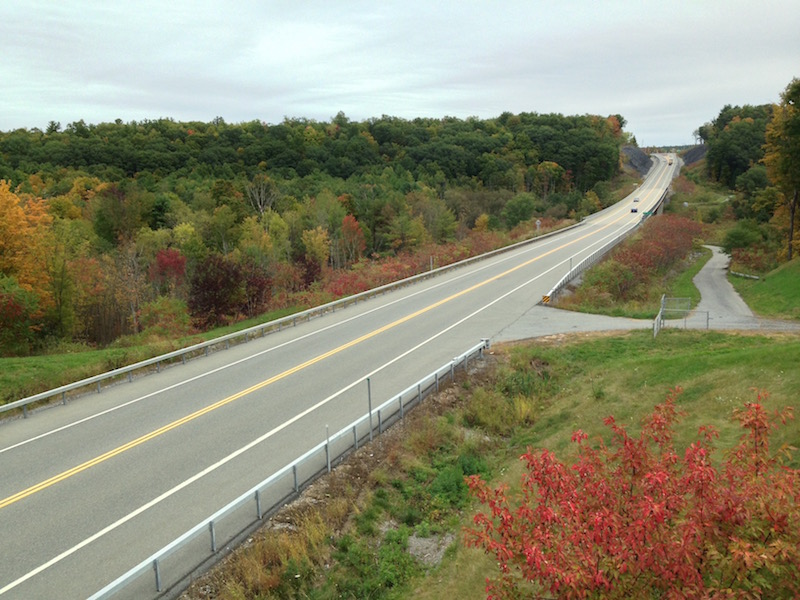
(626, 376)
(25, 376)
(682, 285)
(775, 295)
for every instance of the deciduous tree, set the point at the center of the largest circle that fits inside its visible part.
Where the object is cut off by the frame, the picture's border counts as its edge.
(782, 155)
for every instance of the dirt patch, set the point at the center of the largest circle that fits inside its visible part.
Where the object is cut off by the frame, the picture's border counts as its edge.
(430, 550)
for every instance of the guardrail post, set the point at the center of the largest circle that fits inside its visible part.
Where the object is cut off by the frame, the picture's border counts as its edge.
(400, 401)
(24, 411)
(158, 575)
(453, 370)
(98, 387)
(259, 514)
(213, 537)
(355, 438)
(380, 422)
(437, 382)
(294, 474)
(369, 404)
(63, 397)
(328, 447)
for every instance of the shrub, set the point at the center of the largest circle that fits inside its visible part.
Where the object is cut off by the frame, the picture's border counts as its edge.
(637, 520)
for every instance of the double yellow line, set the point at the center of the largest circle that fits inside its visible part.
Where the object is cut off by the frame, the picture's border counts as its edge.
(212, 407)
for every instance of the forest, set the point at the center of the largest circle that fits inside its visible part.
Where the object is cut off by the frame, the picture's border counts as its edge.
(754, 153)
(120, 231)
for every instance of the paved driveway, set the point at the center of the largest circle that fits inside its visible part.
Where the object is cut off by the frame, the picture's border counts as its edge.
(720, 308)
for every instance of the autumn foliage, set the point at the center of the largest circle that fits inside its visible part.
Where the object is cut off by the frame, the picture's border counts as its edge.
(636, 519)
(625, 275)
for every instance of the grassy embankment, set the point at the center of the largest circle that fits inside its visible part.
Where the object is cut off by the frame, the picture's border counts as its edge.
(66, 363)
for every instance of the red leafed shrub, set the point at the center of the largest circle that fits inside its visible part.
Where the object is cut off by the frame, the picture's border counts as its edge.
(755, 259)
(217, 292)
(169, 268)
(347, 282)
(662, 243)
(636, 519)
(258, 289)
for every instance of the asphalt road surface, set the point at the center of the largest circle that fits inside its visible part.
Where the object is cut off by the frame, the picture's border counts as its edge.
(90, 489)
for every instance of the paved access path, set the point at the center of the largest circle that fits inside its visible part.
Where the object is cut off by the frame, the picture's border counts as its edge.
(720, 308)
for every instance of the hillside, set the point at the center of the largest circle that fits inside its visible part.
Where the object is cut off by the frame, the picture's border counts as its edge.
(118, 230)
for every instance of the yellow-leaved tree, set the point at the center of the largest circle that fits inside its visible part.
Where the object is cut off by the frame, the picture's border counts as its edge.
(23, 230)
(782, 154)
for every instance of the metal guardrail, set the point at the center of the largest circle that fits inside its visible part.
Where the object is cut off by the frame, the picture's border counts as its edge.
(204, 348)
(587, 262)
(597, 255)
(281, 486)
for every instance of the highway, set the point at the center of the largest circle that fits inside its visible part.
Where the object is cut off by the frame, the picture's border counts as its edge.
(92, 488)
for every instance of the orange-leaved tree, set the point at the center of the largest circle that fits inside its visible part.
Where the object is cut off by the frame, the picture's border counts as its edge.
(635, 519)
(26, 294)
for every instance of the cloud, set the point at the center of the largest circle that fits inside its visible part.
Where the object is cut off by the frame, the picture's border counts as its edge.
(666, 67)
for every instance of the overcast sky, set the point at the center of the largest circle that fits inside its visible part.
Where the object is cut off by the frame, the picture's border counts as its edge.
(667, 67)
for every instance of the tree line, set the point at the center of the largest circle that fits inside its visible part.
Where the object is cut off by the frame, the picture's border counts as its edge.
(119, 228)
(755, 150)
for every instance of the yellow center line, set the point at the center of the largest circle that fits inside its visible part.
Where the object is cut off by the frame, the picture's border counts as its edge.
(212, 407)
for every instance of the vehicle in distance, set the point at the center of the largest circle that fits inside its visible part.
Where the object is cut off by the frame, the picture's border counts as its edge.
(634, 209)
(636, 199)
(669, 160)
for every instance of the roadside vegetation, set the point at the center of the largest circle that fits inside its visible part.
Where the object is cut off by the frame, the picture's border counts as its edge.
(632, 278)
(391, 522)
